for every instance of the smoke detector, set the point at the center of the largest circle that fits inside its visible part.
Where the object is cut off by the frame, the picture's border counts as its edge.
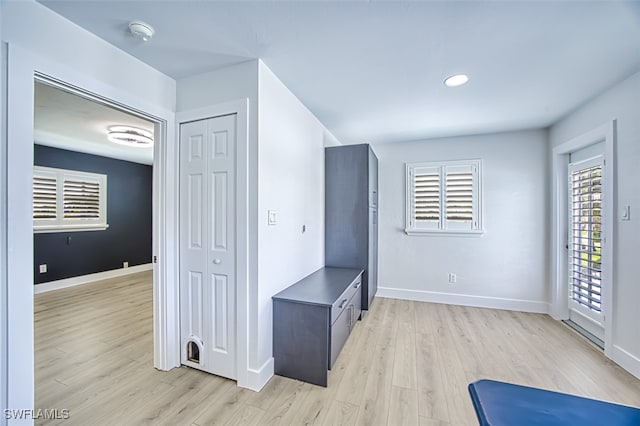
(141, 30)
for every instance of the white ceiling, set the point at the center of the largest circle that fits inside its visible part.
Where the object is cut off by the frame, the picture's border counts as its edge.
(373, 70)
(68, 121)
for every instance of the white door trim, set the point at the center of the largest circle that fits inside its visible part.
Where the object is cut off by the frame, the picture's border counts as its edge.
(4, 341)
(241, 108)
(22, 68)
(560, 295)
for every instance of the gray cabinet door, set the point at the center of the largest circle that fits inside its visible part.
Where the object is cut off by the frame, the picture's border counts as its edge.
(351, 208)
(372, 166)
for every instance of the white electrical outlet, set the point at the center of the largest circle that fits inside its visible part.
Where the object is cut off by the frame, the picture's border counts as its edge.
(125, 264)
(43, 268)
(453, 278)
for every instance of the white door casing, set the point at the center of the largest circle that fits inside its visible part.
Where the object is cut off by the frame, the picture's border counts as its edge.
(207, 243)
(587, 197)
(605, 133)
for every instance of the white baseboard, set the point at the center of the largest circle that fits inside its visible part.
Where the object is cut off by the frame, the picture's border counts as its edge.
(90, 278)
(624, 359)
(256, 379)
(465, 300)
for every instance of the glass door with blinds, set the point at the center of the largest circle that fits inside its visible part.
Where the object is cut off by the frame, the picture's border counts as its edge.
(585, 243)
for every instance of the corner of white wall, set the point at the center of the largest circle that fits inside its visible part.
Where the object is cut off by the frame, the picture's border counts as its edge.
(291, 144)
(101, 68)
(515, 240)
(258, 378)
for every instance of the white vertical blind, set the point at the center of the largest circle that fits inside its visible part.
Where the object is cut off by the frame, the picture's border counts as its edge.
(586, 236)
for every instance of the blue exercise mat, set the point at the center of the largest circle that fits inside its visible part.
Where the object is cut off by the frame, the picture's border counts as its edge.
(506, 404)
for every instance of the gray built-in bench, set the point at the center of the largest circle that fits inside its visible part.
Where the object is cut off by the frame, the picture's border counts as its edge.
(312, 320)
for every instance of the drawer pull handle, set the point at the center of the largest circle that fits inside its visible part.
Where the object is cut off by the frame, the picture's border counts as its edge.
(357, 285)
(344, 302)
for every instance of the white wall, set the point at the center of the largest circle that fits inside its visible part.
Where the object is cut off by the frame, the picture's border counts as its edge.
(622, 102)
(213, 88)
(286, 174)
(504, 268)
(291, 167)
(64, 51)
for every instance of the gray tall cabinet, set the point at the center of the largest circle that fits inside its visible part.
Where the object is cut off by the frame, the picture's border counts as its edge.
(351, 215)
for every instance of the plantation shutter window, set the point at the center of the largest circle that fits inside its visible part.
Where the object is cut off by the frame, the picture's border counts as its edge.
(81, 199)
(585, 239)
(67, 200)
(443, 197)
(45, 197)
(425, 201)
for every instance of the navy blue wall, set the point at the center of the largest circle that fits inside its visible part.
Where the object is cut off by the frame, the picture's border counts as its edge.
(129, 204)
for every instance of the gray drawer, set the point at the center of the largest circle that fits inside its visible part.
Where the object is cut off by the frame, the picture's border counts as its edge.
(343, 301)
(356, 304)
(342, 327)
(340, 330)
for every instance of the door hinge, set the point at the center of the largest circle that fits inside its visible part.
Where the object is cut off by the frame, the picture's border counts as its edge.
(155, 259)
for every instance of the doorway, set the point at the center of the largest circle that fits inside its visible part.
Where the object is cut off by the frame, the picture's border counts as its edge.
(93, 188)
(585, 219)
(94, 219)
(582, 228)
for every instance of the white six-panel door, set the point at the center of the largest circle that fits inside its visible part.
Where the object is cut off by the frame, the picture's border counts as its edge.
(207, 245)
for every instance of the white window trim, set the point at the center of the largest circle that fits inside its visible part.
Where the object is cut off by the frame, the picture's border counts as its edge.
(60, 224)
(442, 229)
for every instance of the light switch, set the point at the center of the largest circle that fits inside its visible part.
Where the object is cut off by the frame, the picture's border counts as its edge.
(43, 268)
(271, 214)
(626, 213)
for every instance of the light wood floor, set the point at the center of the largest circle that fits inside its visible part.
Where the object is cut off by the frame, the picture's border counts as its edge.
(405, 363)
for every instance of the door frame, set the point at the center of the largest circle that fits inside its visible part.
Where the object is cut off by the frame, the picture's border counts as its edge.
(560, 270)
(240, 107)
(23, 66)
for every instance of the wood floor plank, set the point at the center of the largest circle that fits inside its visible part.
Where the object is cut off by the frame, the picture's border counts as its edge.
(355, 376)
(403, 407)
(374, 407)
(246, 416)
(341, 414)
(405, 363)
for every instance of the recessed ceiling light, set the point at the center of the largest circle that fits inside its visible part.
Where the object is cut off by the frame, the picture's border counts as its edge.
(141, 30)
(456, 80)
(130, 136)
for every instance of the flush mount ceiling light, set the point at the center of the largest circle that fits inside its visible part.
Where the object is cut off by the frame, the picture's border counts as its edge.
(130, 136)
(456, 80)
(141, 30)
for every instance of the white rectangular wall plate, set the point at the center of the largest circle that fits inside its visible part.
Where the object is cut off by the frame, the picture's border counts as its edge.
(271, 217)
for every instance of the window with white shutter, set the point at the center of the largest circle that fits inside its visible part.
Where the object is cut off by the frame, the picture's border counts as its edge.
(443, 197)
(585, 236)
(68, 200)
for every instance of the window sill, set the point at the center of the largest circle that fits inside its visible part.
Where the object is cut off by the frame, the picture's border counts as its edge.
(68, 228)
(448, 233)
